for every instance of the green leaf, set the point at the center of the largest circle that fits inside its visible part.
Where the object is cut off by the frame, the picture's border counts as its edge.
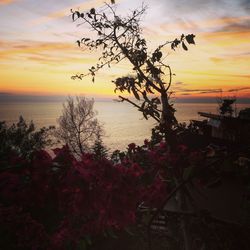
(188, 172)
(88, 240)
(112, 234)
(129, 231)
(215, 183)
(82, 245)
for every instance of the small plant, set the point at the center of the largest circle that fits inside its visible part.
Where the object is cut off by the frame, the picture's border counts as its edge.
(99, 149)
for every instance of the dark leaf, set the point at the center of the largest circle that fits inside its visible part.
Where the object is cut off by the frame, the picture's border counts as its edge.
(75, 15)
(112, 234)
(113, 1)
(82, 245)
(188, 172)
(139, 77)
(143, 105)
(159, 55)
(157, 114)
(145, 116)
(190, 38)
(216, 183)
(184, 46)
(92, 11)
(150, 91)
(135, 94)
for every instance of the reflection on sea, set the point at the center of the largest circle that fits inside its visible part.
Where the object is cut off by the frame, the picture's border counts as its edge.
(123, 124)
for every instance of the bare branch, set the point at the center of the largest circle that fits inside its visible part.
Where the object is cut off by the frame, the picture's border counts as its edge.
(78, 126)
(121, 38)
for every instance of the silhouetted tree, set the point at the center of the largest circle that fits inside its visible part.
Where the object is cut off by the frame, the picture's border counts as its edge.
(226, 106)
(99, 149)
(22, 138)
(78, 126)
(121, 38)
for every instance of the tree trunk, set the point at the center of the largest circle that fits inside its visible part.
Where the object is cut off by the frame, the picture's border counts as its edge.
(168, 120)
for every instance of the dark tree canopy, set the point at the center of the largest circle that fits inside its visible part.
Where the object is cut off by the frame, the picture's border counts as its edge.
(120, 38)
(23, 138)
(226, 106)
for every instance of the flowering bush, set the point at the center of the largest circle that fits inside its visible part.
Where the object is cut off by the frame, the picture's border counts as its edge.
(55, 202)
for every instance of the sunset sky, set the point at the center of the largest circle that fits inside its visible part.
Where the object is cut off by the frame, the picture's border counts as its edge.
(38, 53)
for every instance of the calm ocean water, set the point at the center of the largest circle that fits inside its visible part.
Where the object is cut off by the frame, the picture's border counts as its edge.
(123, 124)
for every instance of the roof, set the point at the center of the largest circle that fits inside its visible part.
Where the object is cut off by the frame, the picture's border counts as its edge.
(224, 118)
(209, 115)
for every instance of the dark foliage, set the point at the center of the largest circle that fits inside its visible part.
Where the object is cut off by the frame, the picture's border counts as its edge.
(226, 106)
(22, 138)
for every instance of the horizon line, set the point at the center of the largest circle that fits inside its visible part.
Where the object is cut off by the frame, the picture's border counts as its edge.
(11, 97)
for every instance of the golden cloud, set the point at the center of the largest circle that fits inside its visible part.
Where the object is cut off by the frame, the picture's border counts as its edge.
(10, 48)
(6, 1)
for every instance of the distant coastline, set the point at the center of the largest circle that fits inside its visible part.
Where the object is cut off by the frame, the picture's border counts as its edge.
(8, 97)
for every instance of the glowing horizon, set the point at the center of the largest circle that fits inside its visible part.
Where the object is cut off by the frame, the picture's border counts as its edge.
(38, 53)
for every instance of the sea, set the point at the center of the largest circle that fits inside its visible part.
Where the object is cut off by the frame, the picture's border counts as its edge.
(122, 123)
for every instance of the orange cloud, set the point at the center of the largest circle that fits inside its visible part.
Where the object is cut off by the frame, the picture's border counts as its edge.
(2, 2)
(10, 49)
(220, 59)
(224, 21)
(225, 24)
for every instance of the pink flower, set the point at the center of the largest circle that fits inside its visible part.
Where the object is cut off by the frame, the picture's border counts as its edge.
(183, 148)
